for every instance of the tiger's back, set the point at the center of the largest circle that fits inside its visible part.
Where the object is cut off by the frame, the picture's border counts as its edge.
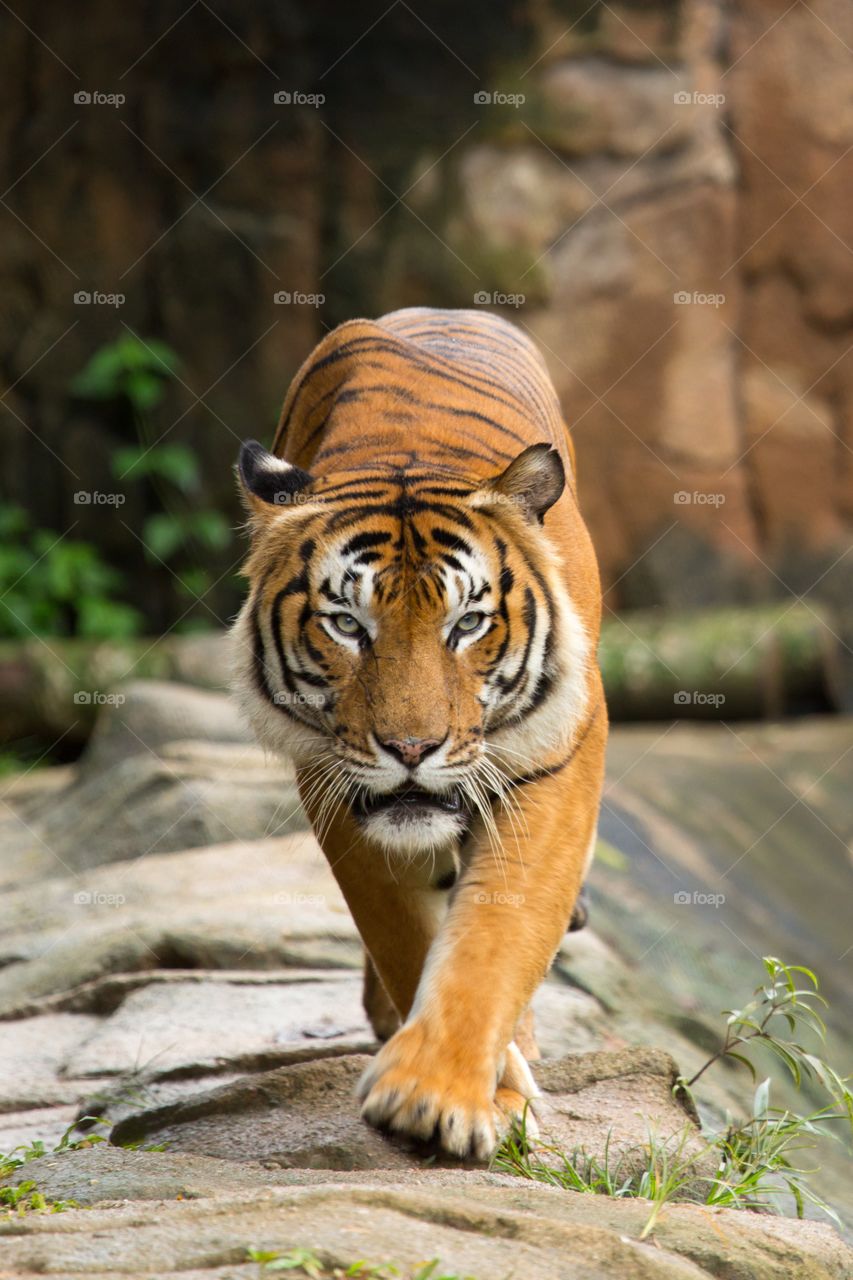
(459, 390)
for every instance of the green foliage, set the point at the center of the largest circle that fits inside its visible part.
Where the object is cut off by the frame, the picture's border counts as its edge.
(52, 585)
(781, 999)
(167, 533)
(755, 1163)
(173, 462)
(128, 367)
(178, 533)
(652, 1171)
(26, 1197)
(756, 1158)
(305, 1262)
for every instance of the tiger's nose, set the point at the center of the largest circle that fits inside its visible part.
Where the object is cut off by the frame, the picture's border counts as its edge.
(410, 750)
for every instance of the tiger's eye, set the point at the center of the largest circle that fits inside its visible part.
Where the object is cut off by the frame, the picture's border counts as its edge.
(347, 624)
(469, 621)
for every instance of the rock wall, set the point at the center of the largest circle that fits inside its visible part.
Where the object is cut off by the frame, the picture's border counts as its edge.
(669, 200)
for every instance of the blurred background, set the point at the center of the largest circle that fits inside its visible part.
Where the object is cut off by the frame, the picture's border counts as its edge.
(660, 194)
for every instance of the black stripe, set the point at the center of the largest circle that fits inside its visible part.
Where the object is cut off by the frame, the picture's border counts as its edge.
(367, 345)
(550, 770)
(509, 686)
(451, 540)
(361, 541)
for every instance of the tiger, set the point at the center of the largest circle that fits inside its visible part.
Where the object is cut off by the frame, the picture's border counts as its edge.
(419, 638)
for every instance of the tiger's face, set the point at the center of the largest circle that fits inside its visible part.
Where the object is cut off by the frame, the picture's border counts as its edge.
(402, 637)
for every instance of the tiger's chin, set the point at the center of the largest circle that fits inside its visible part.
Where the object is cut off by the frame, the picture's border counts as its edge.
(411, 820)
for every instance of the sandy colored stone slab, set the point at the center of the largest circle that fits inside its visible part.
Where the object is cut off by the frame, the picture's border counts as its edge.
(478, 1229)
(259, 904)
(33, 1053)
(198, 1027)
(306, 1115)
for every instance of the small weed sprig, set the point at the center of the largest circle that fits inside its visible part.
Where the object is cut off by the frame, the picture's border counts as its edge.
(26, 1197)
(305, 1262)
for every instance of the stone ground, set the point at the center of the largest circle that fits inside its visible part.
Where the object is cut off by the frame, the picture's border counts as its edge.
(176, 960)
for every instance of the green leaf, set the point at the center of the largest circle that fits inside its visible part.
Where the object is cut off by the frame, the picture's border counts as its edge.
(99, 619)
(14, 521)
(761, 1098)
(211, 529)
(127, 367)
(739, 1057)
(163, 534)
(176, 463)
(143, 389)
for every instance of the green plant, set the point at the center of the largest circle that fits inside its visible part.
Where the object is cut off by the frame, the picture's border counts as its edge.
(173, 471)
(177, 532)
(781, 999)
(756, 1158)
(755, 1163)
(305, 1262)
(25, 1197)
(128, 367)
(54, 585)
(659, 1170)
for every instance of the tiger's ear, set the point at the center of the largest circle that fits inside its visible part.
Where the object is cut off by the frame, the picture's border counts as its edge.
(533, 482)
(269, 483)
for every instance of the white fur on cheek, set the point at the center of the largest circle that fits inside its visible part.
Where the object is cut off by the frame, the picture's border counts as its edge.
(274, 729)
(554, 725)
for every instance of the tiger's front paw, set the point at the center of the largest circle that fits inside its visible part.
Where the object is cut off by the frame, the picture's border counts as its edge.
(419, 1086)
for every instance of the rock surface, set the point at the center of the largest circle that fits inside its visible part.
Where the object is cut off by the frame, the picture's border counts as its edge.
(476, 1224)
(208, 999)
(306, 1115)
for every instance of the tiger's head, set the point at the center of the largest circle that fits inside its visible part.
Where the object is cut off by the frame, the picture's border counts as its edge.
(405, 636)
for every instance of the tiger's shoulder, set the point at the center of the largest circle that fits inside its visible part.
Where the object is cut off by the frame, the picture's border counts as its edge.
(473, 357)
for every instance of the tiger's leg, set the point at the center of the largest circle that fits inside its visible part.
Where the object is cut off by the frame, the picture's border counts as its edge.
(395, 908)
(398, 915)
(378, 1005)
(441, 1069)
(525, 1036)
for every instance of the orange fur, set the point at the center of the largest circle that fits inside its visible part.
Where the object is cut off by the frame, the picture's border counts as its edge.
(381, 417)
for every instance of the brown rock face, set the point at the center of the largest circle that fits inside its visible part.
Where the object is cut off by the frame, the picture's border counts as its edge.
(660, 194)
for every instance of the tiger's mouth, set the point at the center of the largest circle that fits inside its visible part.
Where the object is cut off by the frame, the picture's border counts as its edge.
(409, 801)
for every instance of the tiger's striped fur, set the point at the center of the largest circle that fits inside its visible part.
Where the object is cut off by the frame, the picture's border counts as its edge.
(420, 637)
